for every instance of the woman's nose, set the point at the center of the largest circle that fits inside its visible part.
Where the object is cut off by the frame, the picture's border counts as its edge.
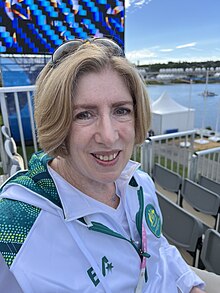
(107, 131)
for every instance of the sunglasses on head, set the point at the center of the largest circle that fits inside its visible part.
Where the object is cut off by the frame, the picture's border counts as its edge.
(72, 45)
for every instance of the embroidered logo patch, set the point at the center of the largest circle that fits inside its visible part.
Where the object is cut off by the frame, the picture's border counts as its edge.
(153, 220)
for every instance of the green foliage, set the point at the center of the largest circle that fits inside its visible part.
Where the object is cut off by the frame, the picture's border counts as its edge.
(29, 151)
(157, 66)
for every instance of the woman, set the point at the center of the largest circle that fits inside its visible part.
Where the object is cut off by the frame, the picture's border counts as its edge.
(83, 217)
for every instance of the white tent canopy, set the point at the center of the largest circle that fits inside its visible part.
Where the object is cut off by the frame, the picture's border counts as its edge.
(169, 116)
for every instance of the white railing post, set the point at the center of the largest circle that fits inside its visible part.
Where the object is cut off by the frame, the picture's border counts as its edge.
(20, 127)
(4, 161)
(146, 156)
(4, 110)
(193, 170)
(30, 107)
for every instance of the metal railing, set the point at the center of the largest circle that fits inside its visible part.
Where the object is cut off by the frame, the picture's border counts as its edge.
(174, 151)
(206, 163)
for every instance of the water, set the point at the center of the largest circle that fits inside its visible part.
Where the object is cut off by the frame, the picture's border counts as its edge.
(207, 110)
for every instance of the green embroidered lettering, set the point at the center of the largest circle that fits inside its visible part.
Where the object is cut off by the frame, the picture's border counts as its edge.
(104, 262)
(93, 276)
(106, 268)
(106, 265)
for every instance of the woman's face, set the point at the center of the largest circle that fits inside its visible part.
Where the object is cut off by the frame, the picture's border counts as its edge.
(103, 132)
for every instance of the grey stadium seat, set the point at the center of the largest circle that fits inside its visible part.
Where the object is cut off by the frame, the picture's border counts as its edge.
(209, 184)
(180, 227)
(210, 253)
(167, 182)
(202, 202)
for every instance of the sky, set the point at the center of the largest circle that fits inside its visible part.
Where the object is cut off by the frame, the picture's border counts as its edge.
(160, 31)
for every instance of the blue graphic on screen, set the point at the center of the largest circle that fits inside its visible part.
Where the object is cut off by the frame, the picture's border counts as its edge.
(39, 26)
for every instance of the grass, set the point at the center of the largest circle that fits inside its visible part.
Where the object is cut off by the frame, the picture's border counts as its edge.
(177, 168)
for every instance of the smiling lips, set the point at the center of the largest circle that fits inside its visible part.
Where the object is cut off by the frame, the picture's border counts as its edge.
(106, 158)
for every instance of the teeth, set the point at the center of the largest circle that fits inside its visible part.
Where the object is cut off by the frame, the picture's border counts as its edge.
(106, 158)
(111, 157)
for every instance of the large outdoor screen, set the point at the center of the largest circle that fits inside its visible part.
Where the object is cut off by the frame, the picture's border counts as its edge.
(39, 26)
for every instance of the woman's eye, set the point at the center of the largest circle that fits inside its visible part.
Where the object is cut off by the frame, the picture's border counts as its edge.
(122, 111)
(85, 115)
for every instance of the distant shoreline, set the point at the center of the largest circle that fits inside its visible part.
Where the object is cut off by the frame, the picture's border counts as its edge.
(177, 81)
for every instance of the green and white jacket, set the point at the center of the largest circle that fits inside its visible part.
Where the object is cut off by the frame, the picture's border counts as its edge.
(54, 240)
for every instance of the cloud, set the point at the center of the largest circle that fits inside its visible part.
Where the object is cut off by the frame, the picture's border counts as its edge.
(186, 45)
(140, 3)
(139, 55)
(166, 50)
(155, 55)
(135, 3)
(127, 3)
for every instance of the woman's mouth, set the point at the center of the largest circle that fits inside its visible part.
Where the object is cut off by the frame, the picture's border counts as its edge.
(105, 157)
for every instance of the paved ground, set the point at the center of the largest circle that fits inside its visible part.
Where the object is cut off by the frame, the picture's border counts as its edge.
(200, 147)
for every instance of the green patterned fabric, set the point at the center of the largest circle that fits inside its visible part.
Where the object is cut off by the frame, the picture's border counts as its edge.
(17, 218)
(37, 178)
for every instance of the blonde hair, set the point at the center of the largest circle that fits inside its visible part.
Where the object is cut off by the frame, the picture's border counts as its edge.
(56, 88)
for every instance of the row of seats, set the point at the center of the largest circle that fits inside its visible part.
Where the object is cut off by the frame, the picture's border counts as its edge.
(197, 240)
(201, 199)
(186, 232)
